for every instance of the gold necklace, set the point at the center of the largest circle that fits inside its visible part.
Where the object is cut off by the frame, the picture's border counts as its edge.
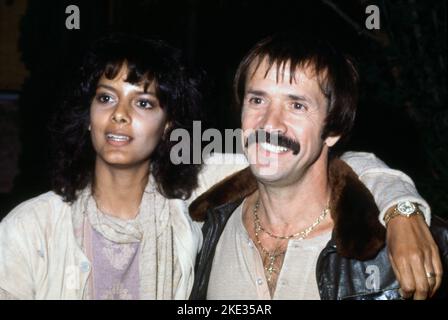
(299, 235)
(273, 255)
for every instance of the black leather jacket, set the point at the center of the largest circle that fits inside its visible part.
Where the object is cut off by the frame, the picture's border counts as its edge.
(353, 265)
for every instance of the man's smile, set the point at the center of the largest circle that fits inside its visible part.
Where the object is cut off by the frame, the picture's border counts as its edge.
(273, 148)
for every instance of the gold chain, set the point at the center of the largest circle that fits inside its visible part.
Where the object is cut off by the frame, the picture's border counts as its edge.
(273, 255)
(301, 234)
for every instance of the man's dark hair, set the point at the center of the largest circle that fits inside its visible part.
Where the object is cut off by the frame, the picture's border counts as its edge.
(146, 61)
(337, 76)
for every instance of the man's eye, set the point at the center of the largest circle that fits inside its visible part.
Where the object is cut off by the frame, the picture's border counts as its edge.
(299, 106)
(255, 100)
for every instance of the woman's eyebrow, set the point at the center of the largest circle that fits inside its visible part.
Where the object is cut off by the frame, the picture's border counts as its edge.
(106, 87)
(151, 93)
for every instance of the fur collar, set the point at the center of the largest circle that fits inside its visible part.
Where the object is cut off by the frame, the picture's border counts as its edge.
(357, 232)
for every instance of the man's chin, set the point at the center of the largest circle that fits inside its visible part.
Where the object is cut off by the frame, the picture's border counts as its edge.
(267, 173)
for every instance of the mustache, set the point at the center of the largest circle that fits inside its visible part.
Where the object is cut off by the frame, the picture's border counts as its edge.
(273, 138)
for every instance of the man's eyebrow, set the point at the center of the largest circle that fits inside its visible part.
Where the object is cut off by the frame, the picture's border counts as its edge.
(256, 92)
(298, 97)
(289, 96)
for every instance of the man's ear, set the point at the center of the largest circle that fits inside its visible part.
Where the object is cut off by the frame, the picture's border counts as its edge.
(331, 140)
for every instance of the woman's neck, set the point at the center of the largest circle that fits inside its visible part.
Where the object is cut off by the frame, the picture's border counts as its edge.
(118, 191)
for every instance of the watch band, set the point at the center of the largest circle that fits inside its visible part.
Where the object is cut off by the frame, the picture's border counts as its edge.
(390, 215)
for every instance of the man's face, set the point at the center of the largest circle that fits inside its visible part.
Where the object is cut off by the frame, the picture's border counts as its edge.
(296, 110)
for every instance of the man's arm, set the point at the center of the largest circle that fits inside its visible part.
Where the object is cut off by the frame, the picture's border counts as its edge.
(216, 168)
(388, 186)
(413, 253)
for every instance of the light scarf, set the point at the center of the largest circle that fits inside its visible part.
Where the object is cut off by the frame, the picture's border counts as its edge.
(159, 273)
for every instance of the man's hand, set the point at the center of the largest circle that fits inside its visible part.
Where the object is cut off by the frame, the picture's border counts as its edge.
(414, 256)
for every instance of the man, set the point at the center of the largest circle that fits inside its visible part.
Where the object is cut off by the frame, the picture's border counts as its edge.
(298, 223)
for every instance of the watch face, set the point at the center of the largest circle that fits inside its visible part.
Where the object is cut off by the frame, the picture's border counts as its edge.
(406, 207)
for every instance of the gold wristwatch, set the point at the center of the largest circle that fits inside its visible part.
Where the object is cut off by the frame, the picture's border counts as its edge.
(403, 208)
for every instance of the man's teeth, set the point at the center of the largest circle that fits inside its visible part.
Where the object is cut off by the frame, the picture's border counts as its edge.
(273, 148)
(116, 137)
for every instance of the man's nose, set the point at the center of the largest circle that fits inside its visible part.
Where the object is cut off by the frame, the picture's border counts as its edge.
(273, 119)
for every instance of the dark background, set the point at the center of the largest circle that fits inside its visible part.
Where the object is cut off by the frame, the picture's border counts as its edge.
(402, 116)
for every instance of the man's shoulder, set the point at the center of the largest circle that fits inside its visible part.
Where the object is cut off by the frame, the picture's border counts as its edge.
(217, 167)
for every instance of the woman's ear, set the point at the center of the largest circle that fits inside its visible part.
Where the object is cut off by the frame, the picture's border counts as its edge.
(167, 127)
(331, 141)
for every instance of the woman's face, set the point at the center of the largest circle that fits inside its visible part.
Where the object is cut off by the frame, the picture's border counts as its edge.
(126, 122)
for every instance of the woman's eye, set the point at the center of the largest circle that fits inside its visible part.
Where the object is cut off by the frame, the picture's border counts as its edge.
(144, 103)
(104, 98)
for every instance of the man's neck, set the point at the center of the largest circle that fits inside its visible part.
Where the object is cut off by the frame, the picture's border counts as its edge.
(118, 191)
(291, 208)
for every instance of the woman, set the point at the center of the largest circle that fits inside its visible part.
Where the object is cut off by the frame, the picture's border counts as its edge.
(116, 225)
(106, 229)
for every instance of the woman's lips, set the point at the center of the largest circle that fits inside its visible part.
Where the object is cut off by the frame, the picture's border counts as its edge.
(118, 139)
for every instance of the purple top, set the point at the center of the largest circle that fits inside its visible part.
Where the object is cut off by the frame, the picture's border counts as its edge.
(115, 269)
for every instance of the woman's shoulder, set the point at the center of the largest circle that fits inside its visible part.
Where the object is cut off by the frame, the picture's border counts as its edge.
(30, 234)
(46, 206)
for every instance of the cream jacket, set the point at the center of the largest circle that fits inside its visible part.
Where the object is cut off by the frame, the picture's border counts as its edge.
(41, 257)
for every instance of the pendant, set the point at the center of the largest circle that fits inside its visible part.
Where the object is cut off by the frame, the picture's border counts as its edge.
(271, 267)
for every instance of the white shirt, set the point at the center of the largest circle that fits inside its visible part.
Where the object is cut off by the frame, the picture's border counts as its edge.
(238, 272)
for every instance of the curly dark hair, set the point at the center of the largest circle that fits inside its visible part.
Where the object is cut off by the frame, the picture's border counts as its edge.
(179, 93)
